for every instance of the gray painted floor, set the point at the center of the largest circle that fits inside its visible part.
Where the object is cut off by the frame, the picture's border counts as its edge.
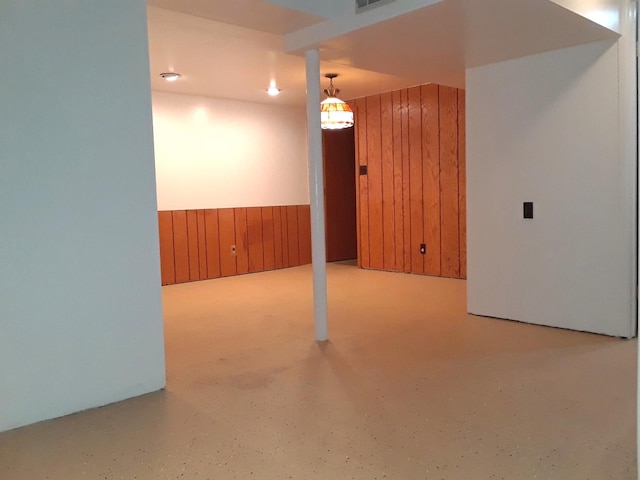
(409, 387)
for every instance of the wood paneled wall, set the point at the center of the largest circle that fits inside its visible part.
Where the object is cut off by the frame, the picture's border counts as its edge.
(197, 244)
(413, 144)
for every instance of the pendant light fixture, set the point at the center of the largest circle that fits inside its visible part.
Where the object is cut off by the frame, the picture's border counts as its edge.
(334, 113)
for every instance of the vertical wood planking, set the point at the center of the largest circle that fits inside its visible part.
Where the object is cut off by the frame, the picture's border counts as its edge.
(213, 243)
(304, 234)
(192, 239)
(415, 179)
(202, 244)
(462, 182)
(242, 241)
(398, 217)
(354, 106)
(268, 238)
(181, 245)
(167, 266)
(277, 238)
(406, 180)
(255, 240)
(374, 162)
(227, 229)
(292, 234)
(363, 189)
(285, 237)
(449, 217)
(196, 244)
(388, 182)
(431, 177)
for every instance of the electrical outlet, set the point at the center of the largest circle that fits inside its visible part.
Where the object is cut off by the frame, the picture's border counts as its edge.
(233, 249)
(423, 248)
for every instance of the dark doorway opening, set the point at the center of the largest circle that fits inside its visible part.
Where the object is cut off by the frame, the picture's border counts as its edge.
(340, 194)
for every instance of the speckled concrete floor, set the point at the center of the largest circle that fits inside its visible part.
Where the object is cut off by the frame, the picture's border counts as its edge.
(409, 387)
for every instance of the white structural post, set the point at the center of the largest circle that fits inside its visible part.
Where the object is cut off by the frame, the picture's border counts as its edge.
(316, 194)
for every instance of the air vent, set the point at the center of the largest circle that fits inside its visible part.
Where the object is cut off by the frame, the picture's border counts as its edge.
(362, 5)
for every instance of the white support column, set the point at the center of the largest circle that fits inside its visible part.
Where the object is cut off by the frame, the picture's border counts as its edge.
(316, 193)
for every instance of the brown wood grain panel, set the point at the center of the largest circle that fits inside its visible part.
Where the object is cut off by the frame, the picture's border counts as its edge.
(406, 178)
(227, 236)
(388, 182)
(255, 240)
(268, 238)
(277, 238)
(202, 245)
(398, 217)
(415, 190)
(363, 190)
(242, 240)
(449, 214)
(374, 162)
(292, 233)
(354, 106)
(167, 267)
(304, 234)
(213, 243)
(284, 229)
(192, 238)
(415, 179)
(181, 245)
(462, 179)
(431, 177)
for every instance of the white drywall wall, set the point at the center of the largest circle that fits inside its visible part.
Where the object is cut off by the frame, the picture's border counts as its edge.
(80, 305)
(547, 129)
(216, 153)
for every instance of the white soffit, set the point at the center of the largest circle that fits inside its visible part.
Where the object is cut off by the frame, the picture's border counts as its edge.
(237, 55)
(438, 42)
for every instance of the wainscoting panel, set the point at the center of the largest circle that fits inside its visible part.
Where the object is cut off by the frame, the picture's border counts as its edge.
(227, 238)
(212, 240)
(167, 261)
(205, 244)
(268, 240)
(180, 245)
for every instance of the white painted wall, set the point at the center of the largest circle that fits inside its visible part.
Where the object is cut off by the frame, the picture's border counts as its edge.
(80, 304)
(216, 153)
(548, 129)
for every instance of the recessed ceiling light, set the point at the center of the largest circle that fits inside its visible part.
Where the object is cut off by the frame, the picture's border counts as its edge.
(170, 76)
(273, 91)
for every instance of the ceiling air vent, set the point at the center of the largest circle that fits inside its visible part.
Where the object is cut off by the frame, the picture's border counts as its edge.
(362, 5)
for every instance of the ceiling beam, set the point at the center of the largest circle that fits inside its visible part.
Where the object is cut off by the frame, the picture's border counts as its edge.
(324, 8)
(345, 22)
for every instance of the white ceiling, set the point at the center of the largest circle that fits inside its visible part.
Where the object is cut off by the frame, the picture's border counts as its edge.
(229, 61)
(234, 49)
(437, 43)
